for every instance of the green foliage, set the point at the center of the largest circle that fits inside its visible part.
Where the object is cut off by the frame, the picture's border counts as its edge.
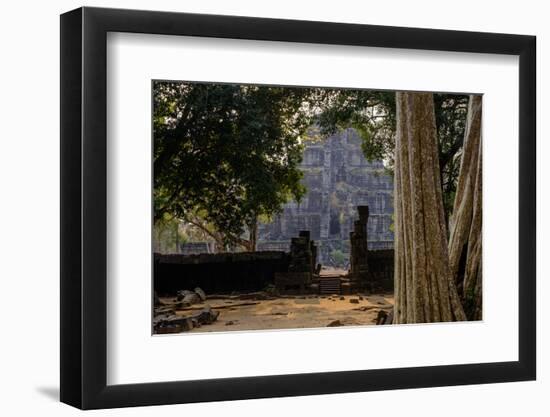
(338, 257)
(451, 112)
(373, 115)
(228, 153)
(168, 235)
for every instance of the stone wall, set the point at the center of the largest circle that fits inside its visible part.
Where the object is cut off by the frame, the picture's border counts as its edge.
(254, 271)
(380, 271)
(218, 273)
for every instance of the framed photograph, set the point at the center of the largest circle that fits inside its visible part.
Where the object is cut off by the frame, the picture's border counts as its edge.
(258, 208)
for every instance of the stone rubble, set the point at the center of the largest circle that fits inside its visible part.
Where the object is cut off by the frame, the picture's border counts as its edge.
(166, 320)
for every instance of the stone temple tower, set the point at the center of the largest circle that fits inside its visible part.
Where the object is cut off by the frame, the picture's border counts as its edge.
(338, 179)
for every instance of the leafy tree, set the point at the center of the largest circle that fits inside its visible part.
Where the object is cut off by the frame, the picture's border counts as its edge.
(373, 115)
(421, 137)
(225, 154)
(168, 235)
(338, 257)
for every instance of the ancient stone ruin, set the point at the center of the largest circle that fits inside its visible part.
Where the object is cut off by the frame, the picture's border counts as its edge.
(292, 272)
(252, 276)
(302, 265)
(359, 267)
(338, 178)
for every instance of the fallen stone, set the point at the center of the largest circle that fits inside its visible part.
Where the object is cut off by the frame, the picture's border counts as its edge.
(384, 317)
(167, 325)
(182, 293)
(335, 323)
(354, 300)
(169, 329)
(342, 298)
(229, 323)
(206, 316)
(179, 305)
(164, 310)
(200, 293)
(191, 299)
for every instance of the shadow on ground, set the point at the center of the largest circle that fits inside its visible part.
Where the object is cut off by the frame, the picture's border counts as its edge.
(50, 392)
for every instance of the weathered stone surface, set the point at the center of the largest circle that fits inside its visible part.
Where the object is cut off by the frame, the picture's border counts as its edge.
(170, 324)
(384, 317)
(164, 310)
(217, 273)
(206, 316)
(359, 247)
(191, 299)
(169, 329)
(182, 293)
(338, 178)
(200, 293)
(335, 323)
(180, 304)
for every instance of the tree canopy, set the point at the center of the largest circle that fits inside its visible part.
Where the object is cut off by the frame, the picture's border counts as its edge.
(373, 114)
(225, 154)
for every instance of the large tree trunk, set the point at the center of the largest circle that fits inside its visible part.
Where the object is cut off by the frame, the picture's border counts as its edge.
(465, 238)
(425, 290)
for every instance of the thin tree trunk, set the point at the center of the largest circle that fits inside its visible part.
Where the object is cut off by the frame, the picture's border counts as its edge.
(218, 238)
(465, 240)
(424, 287)
(253, 235)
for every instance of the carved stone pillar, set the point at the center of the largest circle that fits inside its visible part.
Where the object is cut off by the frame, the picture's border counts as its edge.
(359, 248)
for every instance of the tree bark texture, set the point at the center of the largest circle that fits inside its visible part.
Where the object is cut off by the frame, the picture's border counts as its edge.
(425, 290)
(465, 242)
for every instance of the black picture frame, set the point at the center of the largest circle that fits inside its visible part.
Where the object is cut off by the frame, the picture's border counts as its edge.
(84, 207)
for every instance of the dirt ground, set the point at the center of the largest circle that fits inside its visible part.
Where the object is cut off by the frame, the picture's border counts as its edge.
(292, 312)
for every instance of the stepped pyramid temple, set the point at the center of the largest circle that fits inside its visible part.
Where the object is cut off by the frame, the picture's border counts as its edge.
(338, 179)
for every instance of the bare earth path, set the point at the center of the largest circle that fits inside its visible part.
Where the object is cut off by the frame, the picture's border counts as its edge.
(293, 312)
